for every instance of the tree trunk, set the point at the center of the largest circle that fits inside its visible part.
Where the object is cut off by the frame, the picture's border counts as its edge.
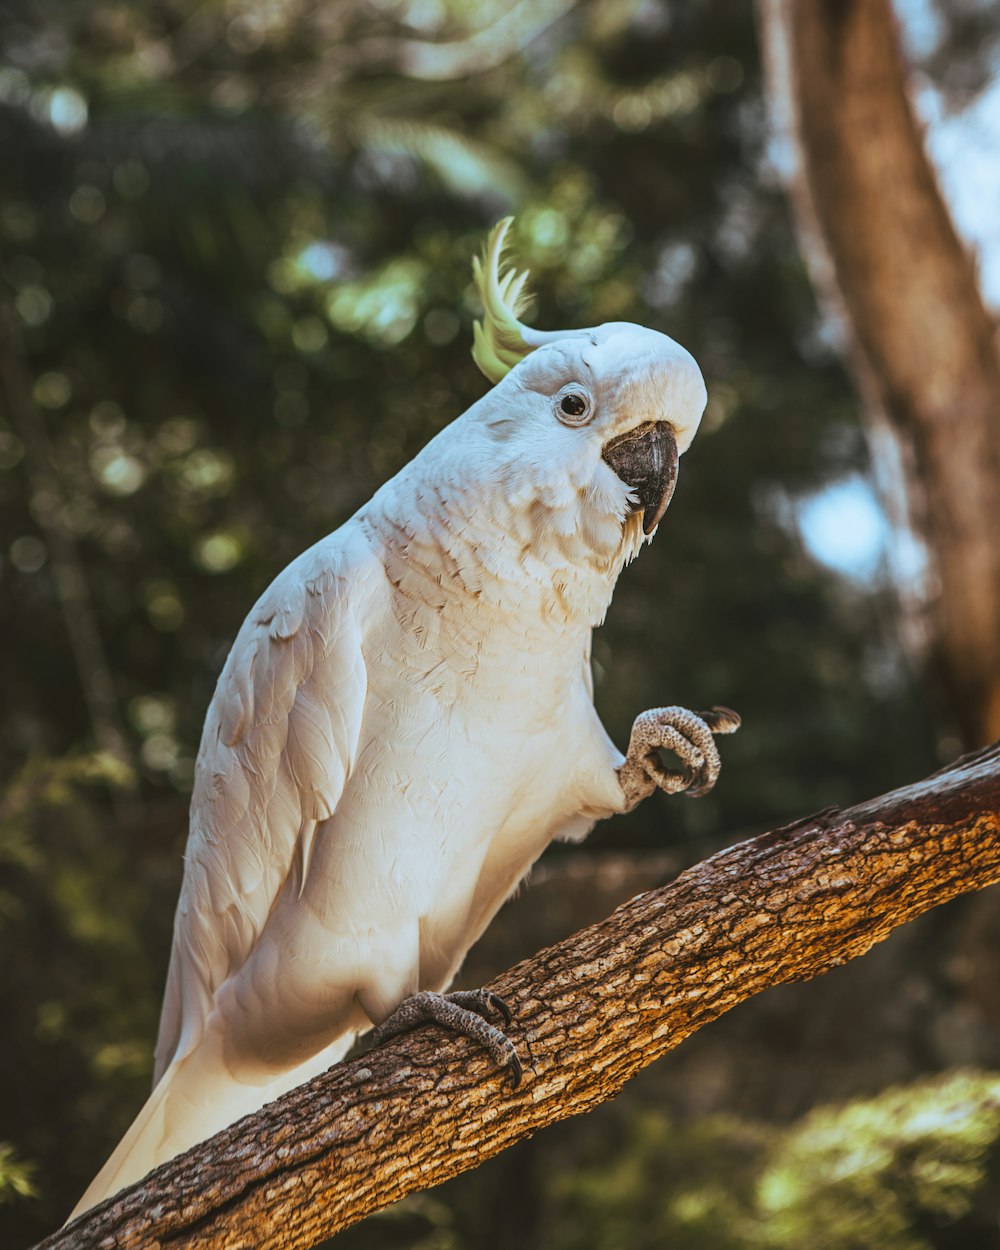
(589, 1013)
(882, 249)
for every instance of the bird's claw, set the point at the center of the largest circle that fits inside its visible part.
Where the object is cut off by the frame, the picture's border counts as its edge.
(483, 1002)
(689, 735)
(463, 1011)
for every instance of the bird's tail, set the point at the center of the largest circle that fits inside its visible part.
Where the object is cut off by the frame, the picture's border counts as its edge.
(137, 1152)
(193, 1100)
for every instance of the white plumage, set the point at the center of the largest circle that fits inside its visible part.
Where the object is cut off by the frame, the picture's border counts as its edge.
(404, 723)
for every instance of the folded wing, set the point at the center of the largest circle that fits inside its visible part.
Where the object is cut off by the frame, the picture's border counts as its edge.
(278, 746)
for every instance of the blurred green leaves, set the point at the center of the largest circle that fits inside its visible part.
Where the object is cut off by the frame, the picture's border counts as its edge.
(902, 1171)
(42, 785)
(15, 1176)
(876, 1171)
(79, 988)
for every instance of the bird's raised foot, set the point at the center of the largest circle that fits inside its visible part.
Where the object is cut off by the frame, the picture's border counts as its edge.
(462, 1011)
(689, 735)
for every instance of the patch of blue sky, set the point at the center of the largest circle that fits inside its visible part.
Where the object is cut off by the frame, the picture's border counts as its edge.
(321, 261)
(844, 528)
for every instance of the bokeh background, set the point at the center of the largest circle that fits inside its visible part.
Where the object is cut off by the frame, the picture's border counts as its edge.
(235, 245)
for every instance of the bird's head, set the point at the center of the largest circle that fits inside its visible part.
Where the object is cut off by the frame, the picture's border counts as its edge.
(589, 423)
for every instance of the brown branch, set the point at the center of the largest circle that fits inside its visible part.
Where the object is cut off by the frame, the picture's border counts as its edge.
(590, 1011)
(883, 251)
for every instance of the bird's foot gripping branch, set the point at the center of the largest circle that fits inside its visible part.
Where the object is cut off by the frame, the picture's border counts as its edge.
(466, 1012)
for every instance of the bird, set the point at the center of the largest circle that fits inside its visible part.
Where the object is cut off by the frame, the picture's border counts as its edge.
(406, 720)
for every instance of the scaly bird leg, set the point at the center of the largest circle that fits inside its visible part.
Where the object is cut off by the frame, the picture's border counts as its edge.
(688, 735)
(462, 1011)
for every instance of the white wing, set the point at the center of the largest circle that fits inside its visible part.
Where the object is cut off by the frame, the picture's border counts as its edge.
(278, 746)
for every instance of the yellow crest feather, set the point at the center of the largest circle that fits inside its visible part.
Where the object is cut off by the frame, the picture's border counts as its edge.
(497, 341)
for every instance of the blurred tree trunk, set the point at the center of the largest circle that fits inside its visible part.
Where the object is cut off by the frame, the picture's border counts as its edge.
(882, 248)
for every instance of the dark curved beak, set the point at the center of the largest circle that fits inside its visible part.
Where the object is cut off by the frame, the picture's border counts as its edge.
(646, 459)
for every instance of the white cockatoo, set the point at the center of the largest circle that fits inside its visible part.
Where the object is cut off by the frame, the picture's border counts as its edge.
(406, 721)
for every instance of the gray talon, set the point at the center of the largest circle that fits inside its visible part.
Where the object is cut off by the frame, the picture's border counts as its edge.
(462, 1011)
(500, 1007)
(483, 1002)
(689, 735)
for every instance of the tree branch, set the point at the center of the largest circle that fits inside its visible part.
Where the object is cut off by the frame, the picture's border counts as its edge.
(589, 1013)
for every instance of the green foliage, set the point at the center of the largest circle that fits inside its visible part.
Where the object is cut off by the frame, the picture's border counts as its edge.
(667, 1185)
(884, 1170)
(16, 1176)
(79, 986)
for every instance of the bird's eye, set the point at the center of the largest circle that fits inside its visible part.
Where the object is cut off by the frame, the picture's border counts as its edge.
(573, 406)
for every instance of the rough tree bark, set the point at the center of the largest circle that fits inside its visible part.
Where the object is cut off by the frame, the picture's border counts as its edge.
(883, 251)
(589, 1013)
